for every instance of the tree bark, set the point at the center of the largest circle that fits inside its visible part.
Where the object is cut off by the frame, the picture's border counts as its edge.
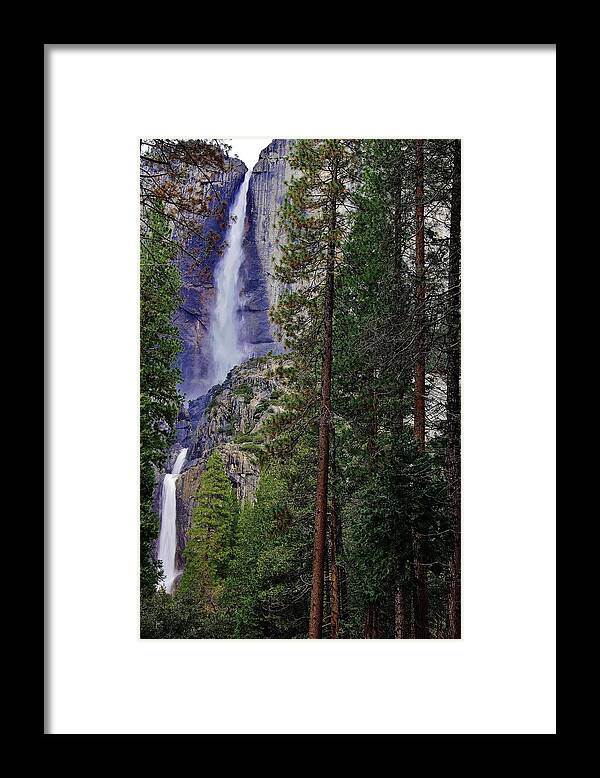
(421, 605)
(420, 299)
(315, 624)
(339, 540)
(453, 398)
(421, 598)
(404, 623)
(334, 575)
(399, 613)
(371, 622)
(337, 578)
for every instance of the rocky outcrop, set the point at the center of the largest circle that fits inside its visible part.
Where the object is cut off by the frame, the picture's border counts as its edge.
(259, 289)
(229, 419)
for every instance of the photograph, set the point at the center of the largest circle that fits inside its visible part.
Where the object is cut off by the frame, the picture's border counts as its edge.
(300, 388)
(292, 295)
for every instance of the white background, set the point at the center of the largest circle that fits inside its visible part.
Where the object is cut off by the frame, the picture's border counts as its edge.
(248, 149)
(500, 677)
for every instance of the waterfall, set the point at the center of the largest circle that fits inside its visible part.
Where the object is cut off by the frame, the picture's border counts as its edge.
(167, 541)
(227, 350)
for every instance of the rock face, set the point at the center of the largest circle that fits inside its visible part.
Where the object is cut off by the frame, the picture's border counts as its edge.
(193, 315)
(259, 289)
(230, 420)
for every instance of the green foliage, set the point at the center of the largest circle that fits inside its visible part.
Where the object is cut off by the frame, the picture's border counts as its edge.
(209, 549)
(314, 196)
(389, 493)
(159, 398)
(248, 437)
(163, 616)
(264, 591)
(254, 448)
(245, 391)
(262, 407)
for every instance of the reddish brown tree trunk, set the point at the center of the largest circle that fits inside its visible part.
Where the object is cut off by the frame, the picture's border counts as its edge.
(335, 536)
(334, 574)
(318, 567)
(420, 573)
(453, 398)
(315, 624)
(339, 582)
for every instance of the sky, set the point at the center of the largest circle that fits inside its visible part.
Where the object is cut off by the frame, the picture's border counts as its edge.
(248, 149)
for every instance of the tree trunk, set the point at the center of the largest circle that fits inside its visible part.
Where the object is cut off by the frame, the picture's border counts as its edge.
(420, 299)
(339, 540)
(409, 615)
(334, 575)
(453, 399)
(371, 622)
(337, 578)
(315, 624)
(399, 613)
(421, 596)
(403, 610)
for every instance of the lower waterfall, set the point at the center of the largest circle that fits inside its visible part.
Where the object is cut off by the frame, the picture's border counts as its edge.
(167, 541)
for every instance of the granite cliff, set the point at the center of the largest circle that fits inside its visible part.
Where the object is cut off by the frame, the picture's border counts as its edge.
(259, 289)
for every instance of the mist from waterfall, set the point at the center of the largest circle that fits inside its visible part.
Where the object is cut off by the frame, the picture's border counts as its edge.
(167, 541)
(227, 351)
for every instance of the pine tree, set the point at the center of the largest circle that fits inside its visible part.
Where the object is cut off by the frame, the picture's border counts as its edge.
(368, 391)
(169, 173)
(209, 549)
(391, 485)
(316, 217)
(262, 588)
(453, 399)
(159, 399)
(421, 599)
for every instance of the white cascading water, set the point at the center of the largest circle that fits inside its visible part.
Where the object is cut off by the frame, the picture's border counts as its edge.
(227, 352)
(226, 348)
(167, 541)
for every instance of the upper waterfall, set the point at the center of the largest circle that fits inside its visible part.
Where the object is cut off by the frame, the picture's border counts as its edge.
(226, 346)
